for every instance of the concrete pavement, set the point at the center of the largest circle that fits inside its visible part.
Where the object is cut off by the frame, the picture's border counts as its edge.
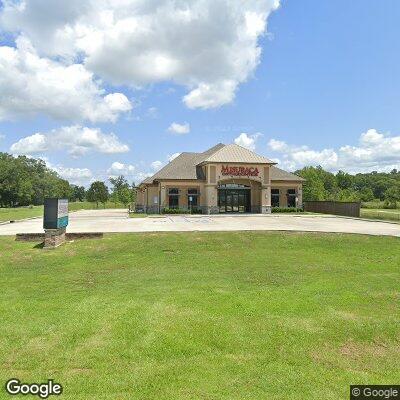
(118, 221)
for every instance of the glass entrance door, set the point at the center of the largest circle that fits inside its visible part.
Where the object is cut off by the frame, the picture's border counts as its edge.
(234, 200)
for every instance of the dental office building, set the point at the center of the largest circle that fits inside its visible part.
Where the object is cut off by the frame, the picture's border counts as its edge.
(223, 179)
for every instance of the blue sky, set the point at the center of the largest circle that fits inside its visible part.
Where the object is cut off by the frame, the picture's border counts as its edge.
(326, 91)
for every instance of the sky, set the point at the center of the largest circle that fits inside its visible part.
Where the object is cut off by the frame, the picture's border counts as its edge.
(99, 88)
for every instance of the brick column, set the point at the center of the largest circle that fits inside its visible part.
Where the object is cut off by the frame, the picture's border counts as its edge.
(54, 238)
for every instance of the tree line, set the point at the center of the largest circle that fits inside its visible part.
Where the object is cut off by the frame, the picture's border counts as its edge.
(27, 181)
(364, 187)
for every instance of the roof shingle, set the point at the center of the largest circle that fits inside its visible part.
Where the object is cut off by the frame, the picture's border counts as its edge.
(187, 165)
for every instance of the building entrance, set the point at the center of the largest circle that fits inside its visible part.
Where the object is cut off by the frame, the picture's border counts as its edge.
(234, 198)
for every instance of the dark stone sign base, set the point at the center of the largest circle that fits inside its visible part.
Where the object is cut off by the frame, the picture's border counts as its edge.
(54, 238)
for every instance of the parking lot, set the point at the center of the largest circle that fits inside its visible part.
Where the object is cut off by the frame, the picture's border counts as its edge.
(118, 221)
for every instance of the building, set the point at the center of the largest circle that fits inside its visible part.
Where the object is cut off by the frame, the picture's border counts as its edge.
(223, 179)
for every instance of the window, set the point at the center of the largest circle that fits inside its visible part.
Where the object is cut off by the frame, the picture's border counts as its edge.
(291, 197)
(275, 197)
(173, 198)
(193, 195)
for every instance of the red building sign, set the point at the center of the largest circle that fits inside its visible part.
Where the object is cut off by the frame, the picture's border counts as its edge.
(239, 171)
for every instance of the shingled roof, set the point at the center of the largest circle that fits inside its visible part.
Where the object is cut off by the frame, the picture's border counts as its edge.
(187, 166)
(233, 153)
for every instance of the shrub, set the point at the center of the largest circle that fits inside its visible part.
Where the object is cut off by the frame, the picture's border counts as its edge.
(174, 211)
(286, 210)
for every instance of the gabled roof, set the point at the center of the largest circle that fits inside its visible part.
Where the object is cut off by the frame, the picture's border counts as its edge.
(187, 166)
(278, 174)
(233, 153)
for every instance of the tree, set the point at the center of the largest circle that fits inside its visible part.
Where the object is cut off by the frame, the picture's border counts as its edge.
(392, 196)
(344, 180)
(313, 188)
(78, 193)
(118, 183)
(125, 196)
(97, 192)
(121, 190)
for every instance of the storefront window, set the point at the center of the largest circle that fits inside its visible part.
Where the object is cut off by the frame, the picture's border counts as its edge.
(291, 197)
(275, 197)
(173, 198)
(193, 195)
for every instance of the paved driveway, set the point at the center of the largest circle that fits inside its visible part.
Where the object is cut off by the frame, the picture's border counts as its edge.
(118, 221)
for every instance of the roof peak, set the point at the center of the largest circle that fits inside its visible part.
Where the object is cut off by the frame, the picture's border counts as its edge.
(234, 153)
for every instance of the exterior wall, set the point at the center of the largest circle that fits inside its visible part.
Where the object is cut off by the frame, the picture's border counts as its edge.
(283, 186)
(154, 198)
(183, 187)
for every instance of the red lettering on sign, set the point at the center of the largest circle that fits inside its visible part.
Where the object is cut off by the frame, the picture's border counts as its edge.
(239, 171)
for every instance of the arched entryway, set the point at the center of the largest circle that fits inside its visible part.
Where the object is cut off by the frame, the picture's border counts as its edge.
(234, 198)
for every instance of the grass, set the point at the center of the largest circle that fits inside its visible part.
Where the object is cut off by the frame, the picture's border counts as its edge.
(9, 214)
(13, 214)
(137, 215)
(387, 214)
(239, 315)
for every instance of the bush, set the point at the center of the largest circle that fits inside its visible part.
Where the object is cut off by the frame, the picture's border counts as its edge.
(286, 210)
(182, 211)
(174, 211)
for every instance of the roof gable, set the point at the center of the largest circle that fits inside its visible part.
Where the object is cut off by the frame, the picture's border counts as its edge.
(233, 153)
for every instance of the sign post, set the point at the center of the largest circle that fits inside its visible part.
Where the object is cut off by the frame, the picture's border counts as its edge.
(55, 221)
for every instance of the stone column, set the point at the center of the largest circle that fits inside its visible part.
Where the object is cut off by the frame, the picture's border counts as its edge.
(163, 198)
(300, 196)
(211, 199)
(265, 199)
(54, 238)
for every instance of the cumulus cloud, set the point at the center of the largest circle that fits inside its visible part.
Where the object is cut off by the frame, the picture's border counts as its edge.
(156, 165)
(179, 129)
(118, 168)
(76, 140)
(376, 151)
(30, 85)
(208, 46)
(248, 141)
(77, 176)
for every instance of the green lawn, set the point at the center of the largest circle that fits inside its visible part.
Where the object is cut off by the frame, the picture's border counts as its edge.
(202, 315)
(385, 214)
(8, 214)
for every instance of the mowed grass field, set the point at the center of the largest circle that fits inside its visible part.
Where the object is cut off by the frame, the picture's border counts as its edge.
(14, 214)
(384, 214)
(238, 315)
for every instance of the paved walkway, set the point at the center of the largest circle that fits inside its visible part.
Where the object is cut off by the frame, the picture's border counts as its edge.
(117, 221)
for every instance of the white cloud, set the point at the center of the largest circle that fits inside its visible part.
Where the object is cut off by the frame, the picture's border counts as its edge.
(156, 165)
(118, 168)
(31, 85)
(76, 140)
(376, 151)
(208, 46)
(247, 141)
(179, 129)
(173, 156)
(77, 176)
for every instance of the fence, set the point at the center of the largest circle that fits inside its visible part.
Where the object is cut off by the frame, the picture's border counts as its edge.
(348, 209)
